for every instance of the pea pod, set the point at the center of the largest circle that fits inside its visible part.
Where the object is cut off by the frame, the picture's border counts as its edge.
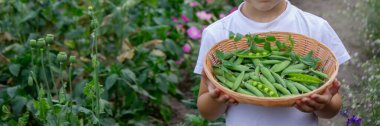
(227, 74)
(257, 62)
(267, 83)
(239, 61)
(291, 87)
(225, 82)
(229, 55)
(237, 67)
(274, 48)
(274, 57)
(279, 79)
(248, 76)
(297, 66)
(253, 89)
(304, 78)
(278, 53)
(267, 74)
(243, 91)
(232, 59)
(281, 89)
(319, 73)
(264, 62)
(257, 70)
(218, 71)
(301, 87)
(287, 71)
(238, 81)
(253, 55)
(311, 87)
(280, 66)
(264, 88)
(255, 77)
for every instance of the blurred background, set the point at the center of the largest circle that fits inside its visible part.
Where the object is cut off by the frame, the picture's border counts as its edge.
(134, 60)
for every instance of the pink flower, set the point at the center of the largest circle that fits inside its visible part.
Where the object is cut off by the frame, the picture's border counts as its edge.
(180, 60)
(186, 48)
(184, 18)
(203, 15)
(193, 4)
(210, 1)
(194, 33)
(222, 15)
(175, 20)
(233, 9)
(180, 27)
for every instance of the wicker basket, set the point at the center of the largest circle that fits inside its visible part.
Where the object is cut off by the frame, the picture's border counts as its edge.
(302, 46)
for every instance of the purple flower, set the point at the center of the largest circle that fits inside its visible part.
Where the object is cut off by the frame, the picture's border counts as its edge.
(233, 9)
(175, 20)
(180, 61)
(184, 18)
(193, 4)
(203, 15)
(186, 48)
(222, 15)
(194, 33)
(353, 120)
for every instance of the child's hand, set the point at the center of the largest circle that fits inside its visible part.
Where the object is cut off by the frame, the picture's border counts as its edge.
(218, 95)
(318, 101)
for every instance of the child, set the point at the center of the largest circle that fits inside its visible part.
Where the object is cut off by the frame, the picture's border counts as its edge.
(254, 16)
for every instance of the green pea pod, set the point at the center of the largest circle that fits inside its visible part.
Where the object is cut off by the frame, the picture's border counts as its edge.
(247, 61)
(237, 67)
(291, 87)
(267, 83)
(229, 55)
(264, 88)
(279, 79)
(274, 57)
(305, 76)
(301, 87)
(218, 71)
(297, 66)
(254, 55)
(225, 82)
(243, 91)
(239, 61)
(238, 81)
(265, 62)
(278, 53)
(255, 77)
(257, 62)
(281, 89)
(253, 89)
(232, 59)
(274, 48)
(248, 76)
(303, 80)
(311, 87)
(228, 75)
(257, 70)
(319, 74)
(280, 66)
(267, 74)
(287, 71)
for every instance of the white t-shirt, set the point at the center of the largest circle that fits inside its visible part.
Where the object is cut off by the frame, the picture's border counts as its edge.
(291, 20)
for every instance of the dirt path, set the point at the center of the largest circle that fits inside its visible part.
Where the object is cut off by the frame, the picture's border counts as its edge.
(337, 13)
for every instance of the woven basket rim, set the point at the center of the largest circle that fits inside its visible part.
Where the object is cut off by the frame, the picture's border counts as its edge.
(318, 90)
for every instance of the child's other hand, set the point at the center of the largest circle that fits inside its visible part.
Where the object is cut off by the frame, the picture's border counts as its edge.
(218, 95)
(318, 101)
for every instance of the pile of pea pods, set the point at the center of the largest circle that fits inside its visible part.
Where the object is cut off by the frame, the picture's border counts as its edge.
(273, 72)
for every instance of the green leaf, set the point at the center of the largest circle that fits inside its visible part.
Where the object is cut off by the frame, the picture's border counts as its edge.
(110, 81)
(22, 121)
(279, 45)
(14, 69)
(219, 54)
(12, 91)
(165, 112)
(270, 38)
(231, 35)
(18, 104)
(291, 42)
(308, 59)
(258, 40)
(267, 46)
(127, 73)
(238, 37)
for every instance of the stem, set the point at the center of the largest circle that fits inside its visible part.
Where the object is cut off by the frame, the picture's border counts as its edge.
(50, 67)
(44, 73)
(70, 87)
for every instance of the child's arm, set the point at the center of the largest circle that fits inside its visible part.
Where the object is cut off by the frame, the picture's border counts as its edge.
(325, 105)
(211, 102)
